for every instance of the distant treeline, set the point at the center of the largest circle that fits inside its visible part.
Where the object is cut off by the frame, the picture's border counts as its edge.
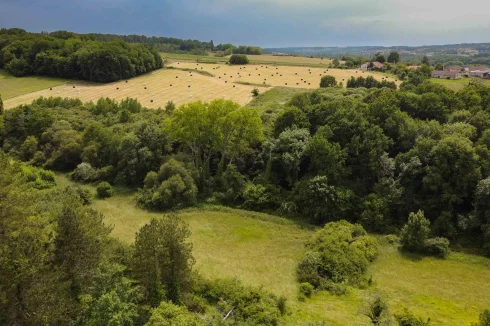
(67, 55)
(170, 44)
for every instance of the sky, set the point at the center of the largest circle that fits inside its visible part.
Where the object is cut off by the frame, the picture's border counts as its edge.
(266, 23)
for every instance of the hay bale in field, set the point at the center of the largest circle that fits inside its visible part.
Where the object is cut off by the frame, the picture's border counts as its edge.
(118, 88)
(50, 89)
(145, 87)
(73, 86)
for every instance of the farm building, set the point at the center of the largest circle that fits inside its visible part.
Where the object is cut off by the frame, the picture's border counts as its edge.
(474, 68)
(372, 65)
(480, 73)
(453, 68)
(365, 66)
(446, 74)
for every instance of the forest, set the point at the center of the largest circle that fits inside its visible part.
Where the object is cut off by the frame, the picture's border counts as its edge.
(67, 56)
(413, 161)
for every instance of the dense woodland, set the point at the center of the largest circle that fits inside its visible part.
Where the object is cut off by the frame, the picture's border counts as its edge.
(23, 54)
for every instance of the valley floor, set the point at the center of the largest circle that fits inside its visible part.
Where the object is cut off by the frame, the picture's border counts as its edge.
(263, 250)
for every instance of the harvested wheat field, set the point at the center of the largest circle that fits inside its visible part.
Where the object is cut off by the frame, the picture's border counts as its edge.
(152, 90)
(268, 75)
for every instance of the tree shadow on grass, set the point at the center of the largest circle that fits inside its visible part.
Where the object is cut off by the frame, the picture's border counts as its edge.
(410, 255)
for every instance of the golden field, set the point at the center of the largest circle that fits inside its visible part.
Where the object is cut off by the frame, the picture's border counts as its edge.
(268, 75)
(161, 86)
(229, 82)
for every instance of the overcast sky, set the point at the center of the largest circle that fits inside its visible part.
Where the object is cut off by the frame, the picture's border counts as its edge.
(267, 23)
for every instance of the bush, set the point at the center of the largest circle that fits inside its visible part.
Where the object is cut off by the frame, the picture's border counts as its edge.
(260, 197)
(340, 253)
(484, 319)
(306, 289)
(409, 319)
(437, 247)
(168, 314)
(173, 186)
(328, 81)
(255, 92)
(239, 59)
(104, 190)
(251, 306)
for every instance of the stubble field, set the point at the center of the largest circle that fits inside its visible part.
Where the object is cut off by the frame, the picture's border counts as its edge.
(198, 81)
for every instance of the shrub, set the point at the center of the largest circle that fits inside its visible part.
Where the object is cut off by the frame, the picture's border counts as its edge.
(306, 289)
(334, 288)
(239, 59)
(340, 253)
(84, 194)
(251, 306)
(409, 319)
(437, 247)
(168, 314)
(484, 319)
(104, 190)
(260, 197)
(328, 81)
(84, 172)
(255, 92)
(415, 232)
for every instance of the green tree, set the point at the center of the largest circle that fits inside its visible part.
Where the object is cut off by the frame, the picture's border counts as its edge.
(328, 81)
(425, 60)
(163, 259)
(336, 62)
(239, 59)
(1, 104)
(379, 57)
(415, 232)
(289, 149)
(394, 57)
(290, 117)
(113, 301)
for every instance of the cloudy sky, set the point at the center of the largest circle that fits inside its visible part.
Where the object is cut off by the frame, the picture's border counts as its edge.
(267, 23)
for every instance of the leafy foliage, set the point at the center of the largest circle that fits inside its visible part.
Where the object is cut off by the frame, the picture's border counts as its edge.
(340, 252)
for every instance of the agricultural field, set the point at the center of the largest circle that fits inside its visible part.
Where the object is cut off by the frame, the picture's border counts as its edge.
(187, 82)
(457, 84)
(254, 59)
(288, 76)
(11, 86)
(264, 250)
(152, 90)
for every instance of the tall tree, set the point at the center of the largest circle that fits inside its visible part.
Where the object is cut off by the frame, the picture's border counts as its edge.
(163, 259)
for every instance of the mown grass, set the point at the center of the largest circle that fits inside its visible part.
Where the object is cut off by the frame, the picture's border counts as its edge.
(274, 98)
(458, 84)
(13, 86)
(264, 250)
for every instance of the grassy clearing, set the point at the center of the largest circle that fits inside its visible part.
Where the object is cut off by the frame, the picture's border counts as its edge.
(11, 87)
(263, 250)
(274, 98)
(457, 84)
(161, 86)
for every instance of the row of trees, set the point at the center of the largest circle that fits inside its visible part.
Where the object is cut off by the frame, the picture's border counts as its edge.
(23, 54)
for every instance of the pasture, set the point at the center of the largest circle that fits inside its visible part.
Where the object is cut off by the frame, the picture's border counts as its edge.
(152, 90)
(264, 250)
(11, 86)
(286, 76)
(458, 84)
